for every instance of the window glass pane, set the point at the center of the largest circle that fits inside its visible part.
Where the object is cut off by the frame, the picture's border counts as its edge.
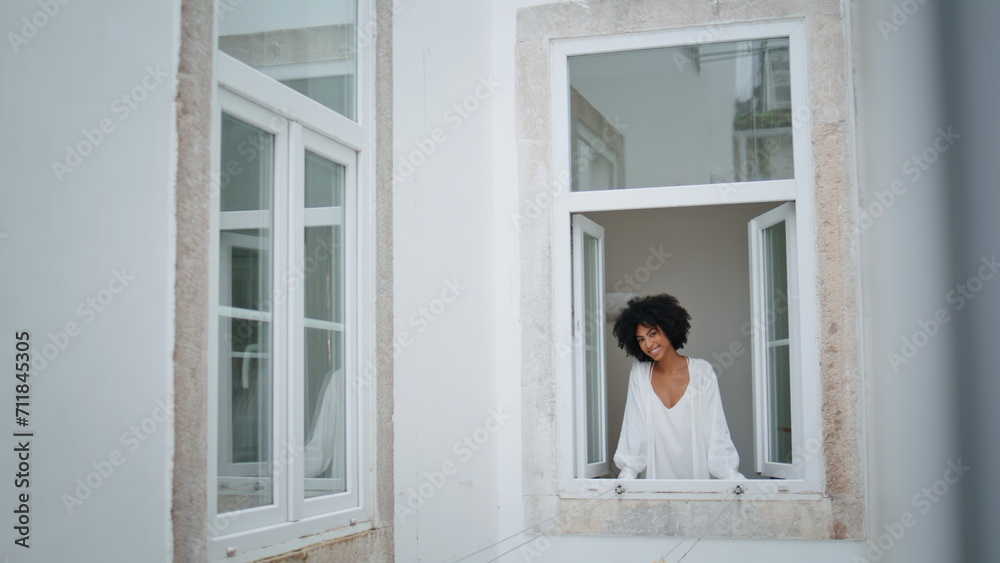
(250, 392)
(246, 169)
(776, 282)
(324, 418)
(324, 464)
(593, 315)
(778, 367)
(324, 276)
(324, 182)
(780, 406)
(334, 92)
(245, 342)
(595, 165)
(698, 114)
(309, 45)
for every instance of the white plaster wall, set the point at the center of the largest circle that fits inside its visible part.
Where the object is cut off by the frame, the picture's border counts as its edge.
(446, 372)
(61, 244)
(907, 277)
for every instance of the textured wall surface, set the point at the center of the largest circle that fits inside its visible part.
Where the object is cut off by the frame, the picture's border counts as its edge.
(189, 511)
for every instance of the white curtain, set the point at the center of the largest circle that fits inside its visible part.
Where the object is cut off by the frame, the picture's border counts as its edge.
(322, 449)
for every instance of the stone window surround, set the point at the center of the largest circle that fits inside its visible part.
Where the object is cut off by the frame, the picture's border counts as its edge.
(194, 118)
(839, 511)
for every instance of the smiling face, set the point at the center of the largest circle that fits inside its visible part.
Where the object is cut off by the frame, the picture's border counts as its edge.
(653, 341)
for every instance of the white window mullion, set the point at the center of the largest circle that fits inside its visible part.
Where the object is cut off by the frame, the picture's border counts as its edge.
(352, 360)
(296, 302)
(283, 356)
(324, 216)
(759, 356)
(236, 220)
(248, 314)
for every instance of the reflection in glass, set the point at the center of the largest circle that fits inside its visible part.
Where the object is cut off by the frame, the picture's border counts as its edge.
(778, 366)
(324, 419)
(780, 423)
(718, 112)
(776, 281)
(598, 148)
(324, 182)
(308, 45)
(247, 158)
(245, 343)
(250, 399)
(593, 317)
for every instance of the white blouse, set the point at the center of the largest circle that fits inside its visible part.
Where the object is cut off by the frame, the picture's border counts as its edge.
(673, 447)
(707, 451)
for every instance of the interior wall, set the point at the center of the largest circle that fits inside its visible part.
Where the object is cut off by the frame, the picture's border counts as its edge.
(87, 255)
(700, 256)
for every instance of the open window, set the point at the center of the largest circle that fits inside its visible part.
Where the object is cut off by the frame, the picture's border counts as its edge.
(775, 343)
(701, 142)
(739, 284)
(588, 334)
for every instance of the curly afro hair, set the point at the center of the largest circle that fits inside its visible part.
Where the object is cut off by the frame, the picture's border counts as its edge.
(661, 310)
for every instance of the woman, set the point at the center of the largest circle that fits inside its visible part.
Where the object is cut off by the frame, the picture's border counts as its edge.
(674, 427)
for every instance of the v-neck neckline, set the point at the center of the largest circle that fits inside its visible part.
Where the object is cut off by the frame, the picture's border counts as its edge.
(686, 387)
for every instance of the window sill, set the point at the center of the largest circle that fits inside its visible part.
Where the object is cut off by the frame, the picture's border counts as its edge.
(643, 510)
(691, 489)
(252, 545)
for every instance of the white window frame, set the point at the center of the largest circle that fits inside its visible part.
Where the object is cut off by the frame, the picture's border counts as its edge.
(799, 190)
(581, 228)
(299, 125)
(759, 343)
(260, 118)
